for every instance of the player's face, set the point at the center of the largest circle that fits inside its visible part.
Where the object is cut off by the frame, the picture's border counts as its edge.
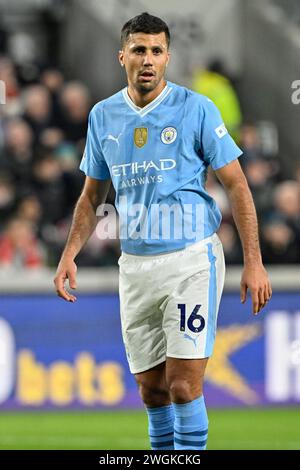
(145, 57)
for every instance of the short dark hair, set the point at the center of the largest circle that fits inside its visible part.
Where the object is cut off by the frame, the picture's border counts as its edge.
(144, 23)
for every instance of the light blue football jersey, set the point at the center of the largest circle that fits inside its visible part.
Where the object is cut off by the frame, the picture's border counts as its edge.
(157, 158)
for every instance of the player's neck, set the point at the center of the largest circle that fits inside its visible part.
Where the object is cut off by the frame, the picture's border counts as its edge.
(142, 99)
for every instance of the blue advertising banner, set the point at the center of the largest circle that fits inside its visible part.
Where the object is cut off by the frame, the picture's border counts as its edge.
(55, 354)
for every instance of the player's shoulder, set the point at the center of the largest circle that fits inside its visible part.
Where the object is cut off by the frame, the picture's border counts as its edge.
(191, 97)
(111, 101)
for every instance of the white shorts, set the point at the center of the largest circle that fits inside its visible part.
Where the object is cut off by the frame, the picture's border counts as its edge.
(169, 303)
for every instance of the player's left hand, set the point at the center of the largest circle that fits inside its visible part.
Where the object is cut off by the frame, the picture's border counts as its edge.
(256, 278)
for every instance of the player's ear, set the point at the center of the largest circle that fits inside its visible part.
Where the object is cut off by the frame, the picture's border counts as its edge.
(121, 58)
(168, 59)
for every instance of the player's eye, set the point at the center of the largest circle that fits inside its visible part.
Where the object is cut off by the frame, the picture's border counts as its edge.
(139, 51)
(157, 51)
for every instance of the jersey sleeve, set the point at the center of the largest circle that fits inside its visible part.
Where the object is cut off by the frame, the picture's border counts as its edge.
(93, 163)
(217, 146)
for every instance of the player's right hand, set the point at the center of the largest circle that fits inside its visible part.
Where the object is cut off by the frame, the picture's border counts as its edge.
(66, 270)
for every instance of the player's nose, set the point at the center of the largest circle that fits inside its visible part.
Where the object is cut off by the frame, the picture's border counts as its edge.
(148, 60)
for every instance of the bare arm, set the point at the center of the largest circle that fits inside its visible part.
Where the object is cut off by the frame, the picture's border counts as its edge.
(254, 275)
(83, 224)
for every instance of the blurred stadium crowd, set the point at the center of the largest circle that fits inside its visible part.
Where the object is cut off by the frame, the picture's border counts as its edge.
(42, 136)
(43, 130)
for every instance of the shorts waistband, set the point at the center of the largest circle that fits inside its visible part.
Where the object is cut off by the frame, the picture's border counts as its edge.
(212, 239)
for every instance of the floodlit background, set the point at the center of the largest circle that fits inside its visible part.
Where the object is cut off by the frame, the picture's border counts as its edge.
(64, 379)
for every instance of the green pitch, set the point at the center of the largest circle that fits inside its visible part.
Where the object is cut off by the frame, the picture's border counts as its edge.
(229, 429)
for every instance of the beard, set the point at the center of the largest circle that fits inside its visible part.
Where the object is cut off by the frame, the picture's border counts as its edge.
(147, 87)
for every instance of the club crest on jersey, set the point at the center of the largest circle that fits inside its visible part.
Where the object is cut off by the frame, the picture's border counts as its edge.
(140, 136)
(168, 135)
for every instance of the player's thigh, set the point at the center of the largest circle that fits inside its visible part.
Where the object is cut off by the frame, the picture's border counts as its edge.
(153, 386)
(144, 339)
(154, 378)
(141, 320)
(190, 313)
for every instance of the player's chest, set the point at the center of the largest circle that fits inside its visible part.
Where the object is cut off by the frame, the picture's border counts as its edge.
(136, 139)
(150, 150)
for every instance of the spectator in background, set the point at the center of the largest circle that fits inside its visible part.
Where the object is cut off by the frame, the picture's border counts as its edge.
(258, 172)
(42, 138)
(50, 189)
(214, 83)
(50, 139)
(287, 204)
(75, 107)
(37, 109)
(19, 247)
(8, 198)
(17, 156)
(30, 210)
(281, 229)
(279, 243)
(250, 142)
(68, 158)
(53, 80)
(12, 91)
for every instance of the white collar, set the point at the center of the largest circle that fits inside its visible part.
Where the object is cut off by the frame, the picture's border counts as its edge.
(150, 106)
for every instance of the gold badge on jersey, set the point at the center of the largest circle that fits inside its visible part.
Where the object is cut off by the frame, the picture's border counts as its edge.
(140, 136)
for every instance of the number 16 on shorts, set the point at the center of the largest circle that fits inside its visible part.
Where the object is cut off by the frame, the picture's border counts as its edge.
(191, 320)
